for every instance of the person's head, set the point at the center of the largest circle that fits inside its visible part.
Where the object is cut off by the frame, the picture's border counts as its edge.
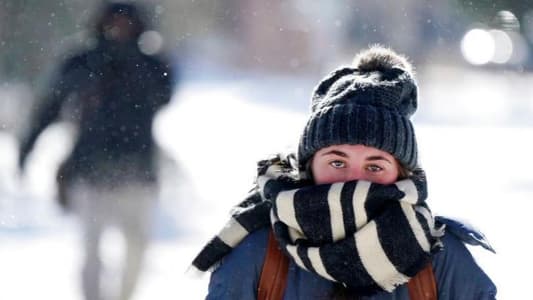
(119, 22)
(360, 127)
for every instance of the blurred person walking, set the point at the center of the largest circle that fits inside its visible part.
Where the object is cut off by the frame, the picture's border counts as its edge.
(112, 92)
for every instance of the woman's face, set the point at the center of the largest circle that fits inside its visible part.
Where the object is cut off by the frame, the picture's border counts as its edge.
(340, 163)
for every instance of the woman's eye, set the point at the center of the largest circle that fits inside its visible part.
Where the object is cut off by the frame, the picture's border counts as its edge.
(374, 168)
(337, 164)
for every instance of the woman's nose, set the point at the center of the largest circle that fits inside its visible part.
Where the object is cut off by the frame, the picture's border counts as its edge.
(356, 174)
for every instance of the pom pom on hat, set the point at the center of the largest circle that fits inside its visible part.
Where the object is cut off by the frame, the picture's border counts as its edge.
(378, 58)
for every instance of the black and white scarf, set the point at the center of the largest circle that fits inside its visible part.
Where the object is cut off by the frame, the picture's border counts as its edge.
(367, 236)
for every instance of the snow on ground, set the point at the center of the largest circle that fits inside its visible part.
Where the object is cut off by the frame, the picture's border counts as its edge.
(216, 131)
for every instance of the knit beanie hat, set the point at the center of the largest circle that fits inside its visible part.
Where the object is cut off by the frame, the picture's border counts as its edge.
(369, 103)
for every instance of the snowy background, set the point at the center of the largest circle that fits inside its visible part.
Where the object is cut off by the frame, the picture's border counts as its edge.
(247, 70)
(477, 158)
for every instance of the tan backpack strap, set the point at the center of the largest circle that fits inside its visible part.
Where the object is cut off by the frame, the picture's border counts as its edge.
(274, 275)
(423, 285)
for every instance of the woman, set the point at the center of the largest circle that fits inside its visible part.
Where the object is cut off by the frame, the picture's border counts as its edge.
(348, 215)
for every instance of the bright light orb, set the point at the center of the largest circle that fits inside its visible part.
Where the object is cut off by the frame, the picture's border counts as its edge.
(150, 42)
(503, 50)
(478, 46)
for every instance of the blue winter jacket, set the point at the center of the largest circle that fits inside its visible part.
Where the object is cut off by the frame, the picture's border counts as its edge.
(457, 275)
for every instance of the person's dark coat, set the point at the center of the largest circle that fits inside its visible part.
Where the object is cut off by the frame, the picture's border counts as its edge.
(112, 93)
(457, 275)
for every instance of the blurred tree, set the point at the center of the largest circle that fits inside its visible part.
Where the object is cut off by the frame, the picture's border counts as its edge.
(489, 8)
(35, 34)
(30, 31)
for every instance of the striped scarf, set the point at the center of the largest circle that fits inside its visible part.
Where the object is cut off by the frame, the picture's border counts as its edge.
(369, 237)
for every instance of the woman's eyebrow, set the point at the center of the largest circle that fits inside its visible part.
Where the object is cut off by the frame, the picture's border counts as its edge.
(378, 157)
(335, 152)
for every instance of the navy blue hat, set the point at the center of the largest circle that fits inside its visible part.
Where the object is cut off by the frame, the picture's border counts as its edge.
(369, 103)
